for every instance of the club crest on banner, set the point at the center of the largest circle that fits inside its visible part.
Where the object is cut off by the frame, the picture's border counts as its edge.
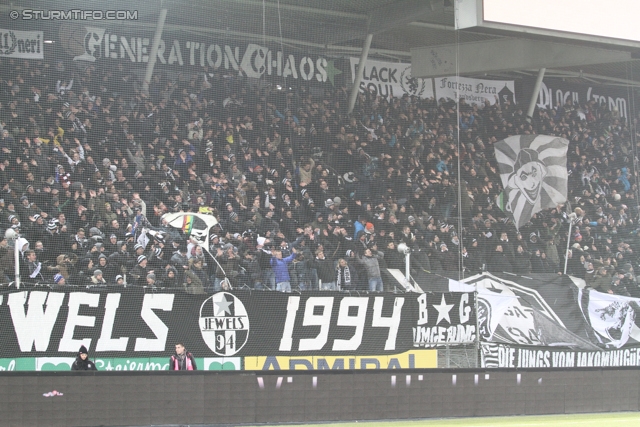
(533, 170)
(412, 85)
(484, 319)
(224, 323)
(506, 312)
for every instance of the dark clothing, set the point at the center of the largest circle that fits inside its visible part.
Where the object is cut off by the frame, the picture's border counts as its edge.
(522, 263)
(408, 167)
(449, 260)
(138, 275)
(325, 269)
(177, 363)
(500, 262)
(83, 365)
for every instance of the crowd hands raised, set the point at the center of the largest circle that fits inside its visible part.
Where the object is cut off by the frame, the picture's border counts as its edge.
(307, 197)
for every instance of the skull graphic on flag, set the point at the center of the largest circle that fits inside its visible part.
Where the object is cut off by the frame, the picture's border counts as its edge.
(533, 170)
(194, 225)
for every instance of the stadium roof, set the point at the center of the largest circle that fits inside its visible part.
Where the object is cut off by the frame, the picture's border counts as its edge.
(331, 27)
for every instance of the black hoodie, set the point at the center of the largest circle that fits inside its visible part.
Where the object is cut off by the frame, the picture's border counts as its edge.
(83, 365)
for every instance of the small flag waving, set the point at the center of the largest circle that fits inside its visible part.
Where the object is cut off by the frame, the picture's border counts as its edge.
(533, 170)
(194, 225)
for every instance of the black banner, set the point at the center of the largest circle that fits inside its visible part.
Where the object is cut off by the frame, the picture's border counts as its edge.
(508, 356)
(136, 322)
(551, 310)
(554, 93)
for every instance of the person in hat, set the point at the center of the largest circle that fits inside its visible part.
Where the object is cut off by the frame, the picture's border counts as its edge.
(179, 259)
(138, 250)
(449, 259)
(139, 272)
(53, 239)
(328, 206)
(369, 228)
(59, 279)
(151, 280)
(111, 245)
(82, 362)
(156, 259)
(182, 360)
(97, 279)
(534, 242)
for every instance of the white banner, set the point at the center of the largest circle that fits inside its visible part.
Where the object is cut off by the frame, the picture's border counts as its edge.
(475, 91)
(390, 79)
(555, 93)
(21, 44)
(253, 60)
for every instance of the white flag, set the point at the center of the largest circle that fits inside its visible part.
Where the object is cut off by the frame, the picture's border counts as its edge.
(533, 170)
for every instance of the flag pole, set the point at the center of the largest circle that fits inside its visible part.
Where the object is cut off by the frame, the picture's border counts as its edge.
(16, 260)
(572, 216)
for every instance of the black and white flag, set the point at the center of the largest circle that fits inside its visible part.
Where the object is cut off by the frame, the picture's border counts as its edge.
(194, 225)
(614, 318)
(533, 170)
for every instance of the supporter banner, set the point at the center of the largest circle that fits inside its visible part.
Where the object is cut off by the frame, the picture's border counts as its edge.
(551, 310)
(135, 322)
(420, 359)
(555, 93)
(453, 324)
(506, 356)
(475, 91)
(390, 79)
(21, 44)
(89, 43)
(117, 364)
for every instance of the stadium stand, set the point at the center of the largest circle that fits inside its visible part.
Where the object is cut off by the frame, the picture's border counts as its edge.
(89, 164)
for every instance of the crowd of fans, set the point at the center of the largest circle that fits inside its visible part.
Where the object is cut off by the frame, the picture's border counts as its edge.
(307, 196)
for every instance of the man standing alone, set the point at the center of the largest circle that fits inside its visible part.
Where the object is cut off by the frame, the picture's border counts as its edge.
(182, 360)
